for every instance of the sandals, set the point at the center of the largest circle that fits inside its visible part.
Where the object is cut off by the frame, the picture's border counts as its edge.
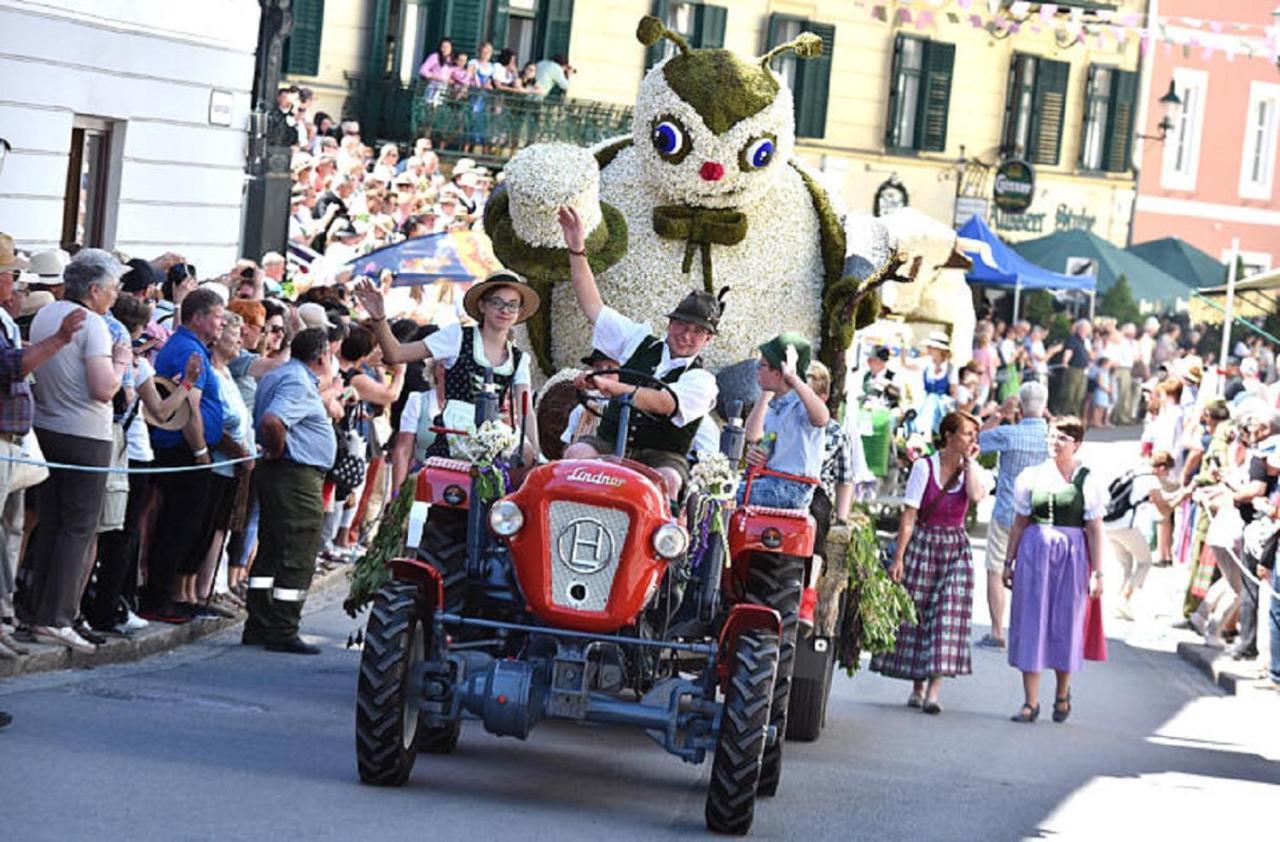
(1062, 708)
(1027, 714)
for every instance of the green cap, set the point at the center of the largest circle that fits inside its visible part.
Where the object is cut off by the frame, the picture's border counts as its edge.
(775, 350)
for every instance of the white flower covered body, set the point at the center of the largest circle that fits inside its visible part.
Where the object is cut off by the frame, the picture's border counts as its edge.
(775, 273)
(542, 178)
(715, 475)
(493, 441)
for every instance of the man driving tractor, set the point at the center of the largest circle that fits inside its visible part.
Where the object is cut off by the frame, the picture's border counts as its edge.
(668, 421)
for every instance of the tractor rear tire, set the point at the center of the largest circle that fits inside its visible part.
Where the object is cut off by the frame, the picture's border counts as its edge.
(386, 729)
(444, 547)
(744, 728)
(810, 688)
(775, 580)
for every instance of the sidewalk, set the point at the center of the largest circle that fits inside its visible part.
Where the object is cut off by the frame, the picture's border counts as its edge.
(154, 639)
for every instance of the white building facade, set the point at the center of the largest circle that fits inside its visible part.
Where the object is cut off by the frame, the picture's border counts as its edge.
(127, 121)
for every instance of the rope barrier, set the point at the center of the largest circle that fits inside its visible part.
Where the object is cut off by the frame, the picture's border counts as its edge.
(94, 469)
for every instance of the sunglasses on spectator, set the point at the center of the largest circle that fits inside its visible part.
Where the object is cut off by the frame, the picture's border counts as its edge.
(276, 329)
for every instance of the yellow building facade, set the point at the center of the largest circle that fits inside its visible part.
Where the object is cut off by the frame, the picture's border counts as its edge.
(913, 98)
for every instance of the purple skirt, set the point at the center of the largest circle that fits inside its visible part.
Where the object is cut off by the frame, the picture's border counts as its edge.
(1050, 593)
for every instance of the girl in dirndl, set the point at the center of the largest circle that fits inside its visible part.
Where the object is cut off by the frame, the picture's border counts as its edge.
(1054, 565)
(934, 562)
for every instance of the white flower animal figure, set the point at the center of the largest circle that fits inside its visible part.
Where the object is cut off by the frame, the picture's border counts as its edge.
(706, 192)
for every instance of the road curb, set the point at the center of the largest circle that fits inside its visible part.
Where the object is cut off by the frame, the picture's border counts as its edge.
(156, 638)
(1229, 675)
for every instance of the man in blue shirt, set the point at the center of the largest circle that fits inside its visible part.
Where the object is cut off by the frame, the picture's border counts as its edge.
(295, 428)
(1020, 445)
(184, 525)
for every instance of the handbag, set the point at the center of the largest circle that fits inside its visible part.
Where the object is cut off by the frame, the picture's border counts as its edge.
(348, 468)
(28, 476)
(1095, 638)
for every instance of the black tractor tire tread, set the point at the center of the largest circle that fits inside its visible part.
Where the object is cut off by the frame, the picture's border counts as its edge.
(381, 757)
(775, 580)
(444, 547)
(744, 722)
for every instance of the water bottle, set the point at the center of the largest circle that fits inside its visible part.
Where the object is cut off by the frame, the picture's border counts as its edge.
(733, 437)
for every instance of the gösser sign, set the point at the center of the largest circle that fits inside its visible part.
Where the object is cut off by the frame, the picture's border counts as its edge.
(1014, 187)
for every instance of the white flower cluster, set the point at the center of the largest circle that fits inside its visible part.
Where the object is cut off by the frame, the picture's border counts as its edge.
(493, 441)
(775, 274)
(543, 177)
(715, 475)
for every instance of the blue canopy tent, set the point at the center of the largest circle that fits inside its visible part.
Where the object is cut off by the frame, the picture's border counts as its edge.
(995, 263)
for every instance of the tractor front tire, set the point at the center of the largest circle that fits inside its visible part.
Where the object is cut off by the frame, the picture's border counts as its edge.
(444, 547)
(744, 728)
(386, 718)
(775, 580)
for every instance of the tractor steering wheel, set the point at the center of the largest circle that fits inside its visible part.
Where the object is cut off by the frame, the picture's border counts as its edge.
(584, 399)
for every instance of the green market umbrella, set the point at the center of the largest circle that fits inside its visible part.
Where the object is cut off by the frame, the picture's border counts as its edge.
(1147, 282)
(1182, 260)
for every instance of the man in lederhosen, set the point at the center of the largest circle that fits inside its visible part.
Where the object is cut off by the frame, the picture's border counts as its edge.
(661, 444)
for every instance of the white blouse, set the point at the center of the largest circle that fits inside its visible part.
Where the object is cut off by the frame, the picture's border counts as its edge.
(446, 343)
(1046, 477)
(916, 482)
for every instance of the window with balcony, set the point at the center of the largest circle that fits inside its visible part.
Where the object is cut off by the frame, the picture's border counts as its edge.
(535, 29)
(1258, 163)
(701, 24)
(1110, 100)
(1182, 145)
(810, 80)
(919, 94)
(1034, 109)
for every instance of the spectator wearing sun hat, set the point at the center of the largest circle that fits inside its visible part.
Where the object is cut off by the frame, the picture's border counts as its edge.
(48, 266)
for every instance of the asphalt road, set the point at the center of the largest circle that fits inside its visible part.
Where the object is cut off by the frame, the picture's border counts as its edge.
(218, 741)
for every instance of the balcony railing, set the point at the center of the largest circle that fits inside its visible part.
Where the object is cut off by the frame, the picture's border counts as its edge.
(481, 122)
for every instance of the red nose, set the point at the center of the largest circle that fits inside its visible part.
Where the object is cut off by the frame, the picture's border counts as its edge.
(711, 171)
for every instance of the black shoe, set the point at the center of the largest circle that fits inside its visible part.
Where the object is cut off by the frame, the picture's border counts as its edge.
(5, 719)
(82, 628)
(294, 645)
(1242, 654)
(250, 638)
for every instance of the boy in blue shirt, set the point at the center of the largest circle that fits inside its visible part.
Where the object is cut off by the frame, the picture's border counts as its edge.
(786, 428)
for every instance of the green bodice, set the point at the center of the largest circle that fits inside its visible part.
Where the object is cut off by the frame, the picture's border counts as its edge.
(1061, 508)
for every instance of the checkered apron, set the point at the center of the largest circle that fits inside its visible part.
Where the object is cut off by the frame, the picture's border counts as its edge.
(938, 574)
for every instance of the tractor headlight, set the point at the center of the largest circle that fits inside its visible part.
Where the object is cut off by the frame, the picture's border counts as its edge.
(670, 540)
(505, 518)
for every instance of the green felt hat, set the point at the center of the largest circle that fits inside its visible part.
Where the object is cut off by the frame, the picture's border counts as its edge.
(775, 350)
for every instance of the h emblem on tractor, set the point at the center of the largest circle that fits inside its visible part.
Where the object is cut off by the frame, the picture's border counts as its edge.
(585, 546)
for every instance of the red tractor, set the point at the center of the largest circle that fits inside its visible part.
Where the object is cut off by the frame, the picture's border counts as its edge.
(580, 596)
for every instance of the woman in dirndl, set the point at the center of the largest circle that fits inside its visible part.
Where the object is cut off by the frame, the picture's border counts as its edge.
(939, 377)
(1054, 565)
(934, 562)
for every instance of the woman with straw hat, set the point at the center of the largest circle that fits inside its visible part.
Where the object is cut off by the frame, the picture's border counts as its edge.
(939, 382)
(462, 354)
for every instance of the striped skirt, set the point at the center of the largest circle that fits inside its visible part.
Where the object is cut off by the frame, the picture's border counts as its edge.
(938, 575)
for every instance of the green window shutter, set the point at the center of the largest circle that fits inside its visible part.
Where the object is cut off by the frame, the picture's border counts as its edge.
(1124, 102)
(302, 49)
(376, 68)
(463, 24)
(777, 29)
(499, 14)
(1088, 109)
(891, 139)
(555, 20)
(815, 84)
(653, 55)
(1049, 110)
(935, 96)
(711, 21)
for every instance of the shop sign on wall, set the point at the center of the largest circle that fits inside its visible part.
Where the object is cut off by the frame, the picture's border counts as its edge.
(1014, 187)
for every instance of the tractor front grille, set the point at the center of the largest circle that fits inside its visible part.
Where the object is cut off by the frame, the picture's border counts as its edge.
(586, 545)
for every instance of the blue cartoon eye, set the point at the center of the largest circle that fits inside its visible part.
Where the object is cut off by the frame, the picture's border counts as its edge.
(670, 139)
(758, 153)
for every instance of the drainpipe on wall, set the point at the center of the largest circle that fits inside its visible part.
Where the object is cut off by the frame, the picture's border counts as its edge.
(1145, 66)
(267, 183)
